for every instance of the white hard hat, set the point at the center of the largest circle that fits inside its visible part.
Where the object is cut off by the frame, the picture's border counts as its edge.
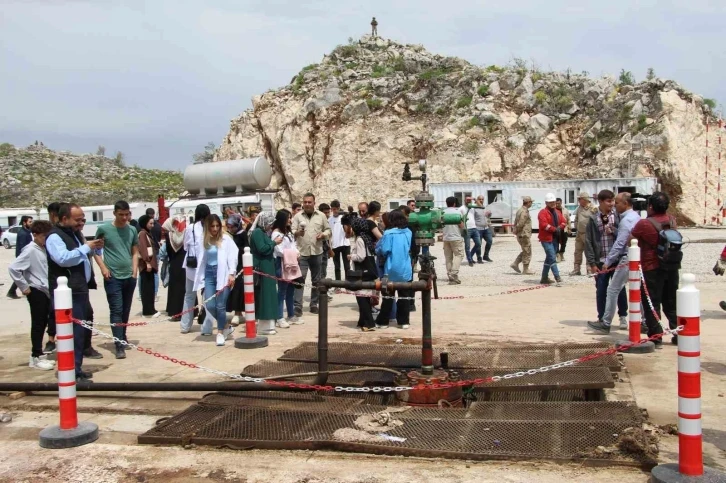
(549, 197)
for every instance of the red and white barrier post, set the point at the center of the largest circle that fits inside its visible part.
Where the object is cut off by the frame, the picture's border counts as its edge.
(70, 432)
(690, 440)
(251, 340)
(635, 311)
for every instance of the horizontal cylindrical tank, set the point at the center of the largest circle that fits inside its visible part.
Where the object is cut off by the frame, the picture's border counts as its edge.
(228, 176)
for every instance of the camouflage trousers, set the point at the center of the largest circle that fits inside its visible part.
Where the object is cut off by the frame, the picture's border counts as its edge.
(525, 256)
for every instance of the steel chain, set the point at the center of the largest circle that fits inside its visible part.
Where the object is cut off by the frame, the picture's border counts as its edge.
(238, 377)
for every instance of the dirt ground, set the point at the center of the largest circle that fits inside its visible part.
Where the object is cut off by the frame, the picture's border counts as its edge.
(550, 314)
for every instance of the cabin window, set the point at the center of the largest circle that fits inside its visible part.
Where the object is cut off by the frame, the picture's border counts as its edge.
(461, 196)
(493, 196)
(392, 205)
(97, 215)
(570, 196)
(626, 189)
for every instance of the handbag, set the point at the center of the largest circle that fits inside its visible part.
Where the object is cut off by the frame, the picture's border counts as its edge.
(192, 261)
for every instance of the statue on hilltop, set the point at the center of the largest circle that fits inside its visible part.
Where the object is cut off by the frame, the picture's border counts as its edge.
(374, 27)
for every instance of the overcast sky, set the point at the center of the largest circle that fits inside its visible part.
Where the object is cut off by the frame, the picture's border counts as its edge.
(159, 79)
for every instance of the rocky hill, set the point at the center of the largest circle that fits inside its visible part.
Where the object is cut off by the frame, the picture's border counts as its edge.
(35, 176)
(342, 127)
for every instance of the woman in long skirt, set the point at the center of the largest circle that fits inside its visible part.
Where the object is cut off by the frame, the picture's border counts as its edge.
(148, 265)
(236, 302)
(174, 236)
(262, 248)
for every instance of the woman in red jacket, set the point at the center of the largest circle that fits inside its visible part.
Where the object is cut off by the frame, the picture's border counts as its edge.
(551, 222)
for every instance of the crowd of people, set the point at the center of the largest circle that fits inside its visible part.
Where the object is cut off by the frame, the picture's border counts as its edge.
(205, 257)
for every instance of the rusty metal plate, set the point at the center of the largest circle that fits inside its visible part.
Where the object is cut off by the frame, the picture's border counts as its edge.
(494, 357)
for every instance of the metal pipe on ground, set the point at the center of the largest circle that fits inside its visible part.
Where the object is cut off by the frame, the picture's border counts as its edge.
(376, 285)
(146, 386)
(427, 349)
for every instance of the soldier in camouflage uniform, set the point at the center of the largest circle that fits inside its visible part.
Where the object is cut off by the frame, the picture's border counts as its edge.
(374, 27)
(582, 218)
(523, 230)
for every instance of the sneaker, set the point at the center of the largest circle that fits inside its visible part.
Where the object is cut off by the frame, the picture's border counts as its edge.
(220, 339)
(381, 327)
(227, 332)
(120, 352)
(235, 320)
(404, 326)
(282, 324)
(156, 315)
(42, 364)
(13, 296)
(480, 261)
(471, 264)
(575, 273)
(268, 332)
(295, 320)
(487, 259)
(623, 323)
(558, 281)
(545, 281)
(49, 347)
(44, 357)
(599, 326)
(722, 304)
(314, 310)
(92, 354)
(205, 335)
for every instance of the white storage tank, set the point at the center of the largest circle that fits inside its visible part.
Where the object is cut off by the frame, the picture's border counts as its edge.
(228, 176)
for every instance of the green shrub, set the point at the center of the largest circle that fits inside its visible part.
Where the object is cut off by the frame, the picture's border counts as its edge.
(474, 121)
(399, 65)
(495, 68)
(374, 104)
(483, 90)
(540, 97)
(441, 111)
(642, 122)
(378, 71)
(309, 67)
(434, 73)
(463, 102)
(345, 50)
(562, 101)
(6, 148)
(626, 78)
(536, 76)
(471, 146)
(710, 103)
(351, 65)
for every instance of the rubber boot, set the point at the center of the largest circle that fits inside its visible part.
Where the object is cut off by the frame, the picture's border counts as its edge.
(515, 266)
(526, 270)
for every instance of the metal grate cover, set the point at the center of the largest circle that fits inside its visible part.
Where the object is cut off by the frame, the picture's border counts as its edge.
(426, 432)
(498, 357)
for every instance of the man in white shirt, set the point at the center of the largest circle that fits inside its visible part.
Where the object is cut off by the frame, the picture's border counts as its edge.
(453, 243)
(339, 242)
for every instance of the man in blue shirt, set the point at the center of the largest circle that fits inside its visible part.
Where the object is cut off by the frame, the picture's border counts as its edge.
(69, 257)
(618, 257)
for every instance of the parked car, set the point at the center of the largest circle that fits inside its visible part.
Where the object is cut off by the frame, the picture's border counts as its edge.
(10, 236)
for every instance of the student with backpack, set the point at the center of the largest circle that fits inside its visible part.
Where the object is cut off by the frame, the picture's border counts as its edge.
(660, 259)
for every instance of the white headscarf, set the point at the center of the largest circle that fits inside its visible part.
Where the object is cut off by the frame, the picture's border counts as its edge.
(265, 219)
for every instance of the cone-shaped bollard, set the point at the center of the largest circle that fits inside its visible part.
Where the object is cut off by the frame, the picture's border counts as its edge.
(251, 340)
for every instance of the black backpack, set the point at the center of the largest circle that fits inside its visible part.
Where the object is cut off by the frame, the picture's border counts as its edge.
(670, 242)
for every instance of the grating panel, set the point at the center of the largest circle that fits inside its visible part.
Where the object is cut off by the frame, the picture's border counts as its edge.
(424, 436)
(499, 357)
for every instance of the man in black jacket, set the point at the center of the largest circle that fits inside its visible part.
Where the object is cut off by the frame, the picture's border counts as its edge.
(24, 239)
(69, 257)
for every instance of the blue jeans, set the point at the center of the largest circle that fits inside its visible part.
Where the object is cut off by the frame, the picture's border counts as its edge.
(486, 236)
(217, 307)
(188, 317)
(285, 293)
(120, 296)
(550, 249)
(476, 249)
(616, 281)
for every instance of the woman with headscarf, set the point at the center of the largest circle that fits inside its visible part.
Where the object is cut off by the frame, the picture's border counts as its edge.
(263, 248)
(361, 254)
(174, 243)
(236, 302)
(148, 265)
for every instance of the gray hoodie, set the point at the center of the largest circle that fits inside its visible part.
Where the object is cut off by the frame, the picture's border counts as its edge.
(30, 269)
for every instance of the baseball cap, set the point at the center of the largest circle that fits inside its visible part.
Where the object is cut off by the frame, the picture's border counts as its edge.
(583, 195)
(526, 199)
(549, 197)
